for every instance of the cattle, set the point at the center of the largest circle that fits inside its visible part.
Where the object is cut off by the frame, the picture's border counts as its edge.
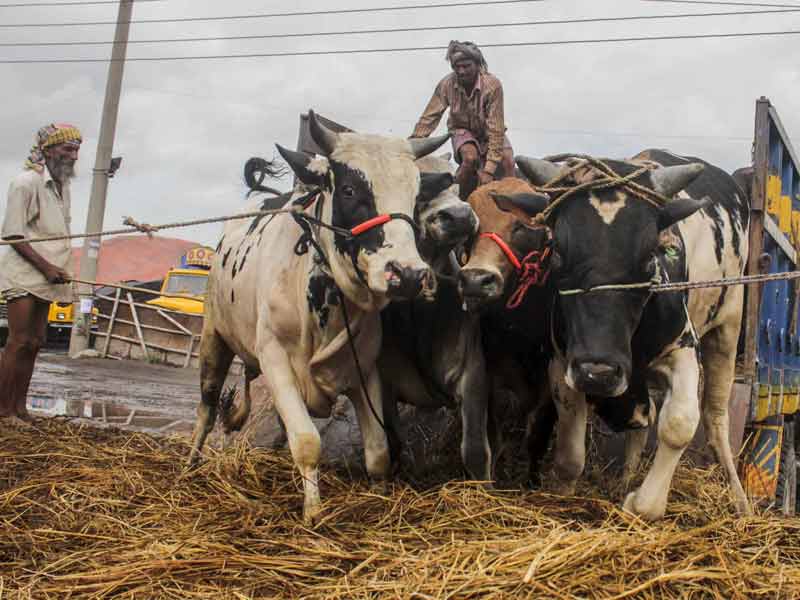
(613, 339)
(505, 280)
(431, 354)
(287, 309)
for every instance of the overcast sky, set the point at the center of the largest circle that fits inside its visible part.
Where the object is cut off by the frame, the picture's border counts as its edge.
(186, 128)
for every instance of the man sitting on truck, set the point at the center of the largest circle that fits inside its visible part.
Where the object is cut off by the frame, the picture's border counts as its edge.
(32, 275)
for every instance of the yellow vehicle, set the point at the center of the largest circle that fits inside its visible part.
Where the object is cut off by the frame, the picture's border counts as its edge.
(59, 319)
(191, 278)
(192, 282)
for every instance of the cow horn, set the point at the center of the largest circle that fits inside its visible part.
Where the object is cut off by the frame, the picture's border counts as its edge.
(423, 146)
(324, 137)
(537, 171)
(668, 181)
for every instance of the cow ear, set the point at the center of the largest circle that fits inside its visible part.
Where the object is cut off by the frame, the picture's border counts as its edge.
(311, 171)
(433, 184)
(529, 203)
(677, 210)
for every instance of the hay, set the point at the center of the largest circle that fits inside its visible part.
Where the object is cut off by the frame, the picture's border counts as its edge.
(98, 513)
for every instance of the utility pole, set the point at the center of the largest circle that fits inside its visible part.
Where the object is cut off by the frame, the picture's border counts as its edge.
(82, 310)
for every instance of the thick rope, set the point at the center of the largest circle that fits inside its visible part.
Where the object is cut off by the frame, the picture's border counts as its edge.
(146, 228)
(609, 179)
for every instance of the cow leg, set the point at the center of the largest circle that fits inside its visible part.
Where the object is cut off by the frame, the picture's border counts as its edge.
(718, 352)
(215, 360)
(392, 421)
(472, 395)
(376, 445)
(569, 456)
(677, 424)
(235, 422)
(302, 434)
(635, 441)
(541, 423)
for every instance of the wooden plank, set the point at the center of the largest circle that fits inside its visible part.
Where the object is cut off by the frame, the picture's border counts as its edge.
(181, 332)
(130, 340)
(111, 322)
(188, 360)
(174, 322)
(151, 307)
(756, 237)
(135, 316)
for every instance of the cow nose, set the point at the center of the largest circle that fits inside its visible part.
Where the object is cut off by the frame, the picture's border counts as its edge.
(479, 285)
(599, 379)
(459, 220)
(407, 282)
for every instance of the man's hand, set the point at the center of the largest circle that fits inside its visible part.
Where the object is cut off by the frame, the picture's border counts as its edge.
(484, 177)
(55, 275)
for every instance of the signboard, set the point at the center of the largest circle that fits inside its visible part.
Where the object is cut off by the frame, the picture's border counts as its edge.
(198, 257)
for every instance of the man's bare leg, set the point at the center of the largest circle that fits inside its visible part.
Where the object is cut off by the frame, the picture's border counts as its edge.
(27, 327)
(467, 174)
(507, 166)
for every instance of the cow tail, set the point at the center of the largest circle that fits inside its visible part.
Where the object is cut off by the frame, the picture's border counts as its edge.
(235, 416)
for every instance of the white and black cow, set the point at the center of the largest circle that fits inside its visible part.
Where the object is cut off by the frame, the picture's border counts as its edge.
(431, 354)
(614, 343)
(281, 311)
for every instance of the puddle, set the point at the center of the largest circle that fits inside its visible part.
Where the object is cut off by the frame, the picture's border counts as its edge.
(110, 413)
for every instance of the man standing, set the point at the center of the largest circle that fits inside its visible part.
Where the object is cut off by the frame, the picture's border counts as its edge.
(32, 275)
(476, 122)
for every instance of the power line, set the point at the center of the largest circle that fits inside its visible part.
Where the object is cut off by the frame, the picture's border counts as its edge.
(723, 3)
(408, 29)
(287, 14)
(407, 49)
(81, 2)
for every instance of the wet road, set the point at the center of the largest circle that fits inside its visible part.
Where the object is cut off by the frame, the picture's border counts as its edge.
(132, 394)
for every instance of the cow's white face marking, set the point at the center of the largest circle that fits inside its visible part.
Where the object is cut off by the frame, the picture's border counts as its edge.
(608, 210)
(319, 165)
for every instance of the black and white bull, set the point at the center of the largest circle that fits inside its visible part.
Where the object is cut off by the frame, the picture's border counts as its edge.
(611, 344)
(431, 354)
(281, 311)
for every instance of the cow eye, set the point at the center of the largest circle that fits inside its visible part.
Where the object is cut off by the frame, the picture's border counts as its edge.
(348, 191)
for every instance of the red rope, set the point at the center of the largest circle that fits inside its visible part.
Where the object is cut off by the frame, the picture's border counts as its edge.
(532, 270)
(370, 223)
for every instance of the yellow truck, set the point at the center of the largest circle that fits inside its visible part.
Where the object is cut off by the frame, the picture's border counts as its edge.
(190, 278)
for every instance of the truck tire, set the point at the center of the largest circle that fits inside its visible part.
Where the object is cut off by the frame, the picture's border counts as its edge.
(786, 493)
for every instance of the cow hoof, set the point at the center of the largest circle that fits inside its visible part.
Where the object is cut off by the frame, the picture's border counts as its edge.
(743, 508)
(634, 507)
(564, 488)
(311, 515)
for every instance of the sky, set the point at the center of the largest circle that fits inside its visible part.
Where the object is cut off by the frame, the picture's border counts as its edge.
(186, 127)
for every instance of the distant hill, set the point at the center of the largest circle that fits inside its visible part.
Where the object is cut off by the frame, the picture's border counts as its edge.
(136, 257)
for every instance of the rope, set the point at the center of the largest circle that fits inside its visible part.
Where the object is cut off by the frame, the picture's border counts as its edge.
(609, 179)
(136, 227)
(658, 288)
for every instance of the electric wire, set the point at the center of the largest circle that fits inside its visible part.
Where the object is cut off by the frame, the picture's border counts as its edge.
(405, 29)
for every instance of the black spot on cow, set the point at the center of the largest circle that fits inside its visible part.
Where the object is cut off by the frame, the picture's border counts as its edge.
(233, 298)
(244, 258)
(713, 310)
(354, 203)
(234, 270)
(219, 246)
(321, 294)
(225, 256)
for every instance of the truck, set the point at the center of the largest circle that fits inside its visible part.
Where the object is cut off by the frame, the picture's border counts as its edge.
(190, 278)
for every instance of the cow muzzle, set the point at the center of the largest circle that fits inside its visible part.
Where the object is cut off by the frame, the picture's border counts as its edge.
(479, 287)
(597, 379)
(407, 282)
